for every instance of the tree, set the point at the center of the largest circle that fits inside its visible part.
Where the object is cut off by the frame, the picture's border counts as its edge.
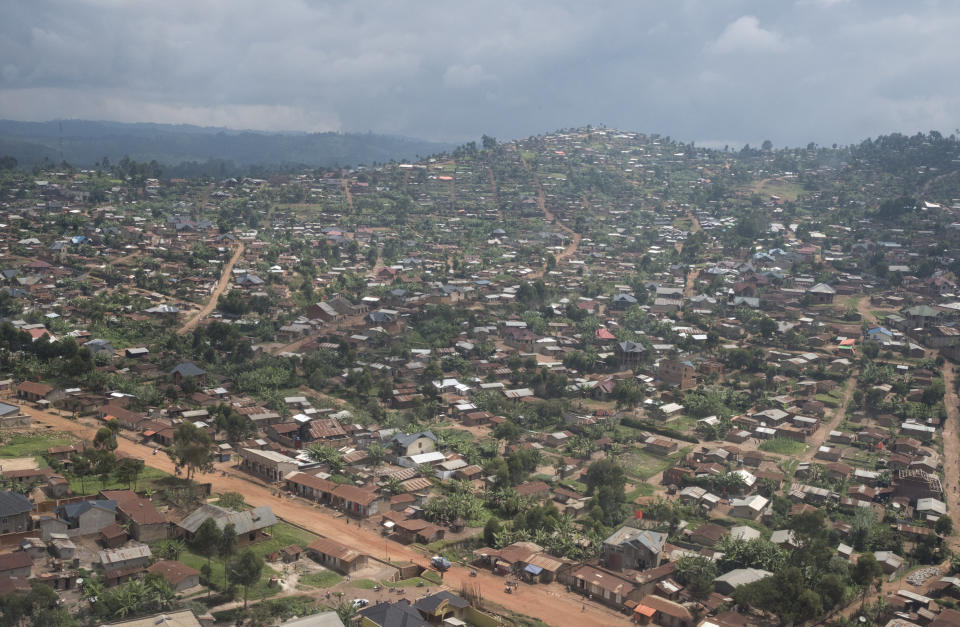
(245, 571)
(128, 471)
(944, 526)
(607, 480)
(490, 531)
(232, 500)
(80, 467)
(376, 454)
(105, 439)
(226, 547)
(170, 549)
(40, 606)
(866, 571)
(346, 612)
(191, 448)
(697, 574)
(326, 455)
(206, 539)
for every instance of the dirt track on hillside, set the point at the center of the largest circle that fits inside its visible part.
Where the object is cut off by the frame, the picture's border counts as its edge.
(222, 284)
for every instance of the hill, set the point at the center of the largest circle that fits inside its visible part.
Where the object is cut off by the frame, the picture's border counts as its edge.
(84, 143)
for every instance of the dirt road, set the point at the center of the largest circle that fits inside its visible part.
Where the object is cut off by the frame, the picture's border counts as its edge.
(688, 292)
(951, 451)
(347, 194)
(818, 438)
(574, 244)
(549, 603)
(192, 323)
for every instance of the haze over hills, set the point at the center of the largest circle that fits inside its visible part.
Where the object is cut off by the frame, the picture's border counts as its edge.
(85, 142)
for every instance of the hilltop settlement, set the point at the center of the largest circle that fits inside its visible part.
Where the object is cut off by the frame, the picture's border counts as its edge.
(593, 377)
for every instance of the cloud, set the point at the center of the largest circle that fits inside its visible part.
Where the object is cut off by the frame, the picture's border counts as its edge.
(746, 35)
(470, 76)
(694, 69)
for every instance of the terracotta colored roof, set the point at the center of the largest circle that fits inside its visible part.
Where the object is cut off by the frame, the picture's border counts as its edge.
(334, 549)
(32, 387)
(316, 483)
(15, 560)
(173, 572)
(355, 494)
(137, 508)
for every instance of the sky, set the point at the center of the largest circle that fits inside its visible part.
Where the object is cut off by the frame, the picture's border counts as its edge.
(717, 72)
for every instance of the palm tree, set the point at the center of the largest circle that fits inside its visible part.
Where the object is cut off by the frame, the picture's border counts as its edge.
(171, 549)
(561, 467)
(347, 612)
(393, 485)
(376, 455)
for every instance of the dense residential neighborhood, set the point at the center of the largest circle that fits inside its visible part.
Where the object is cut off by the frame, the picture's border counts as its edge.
(592, 377)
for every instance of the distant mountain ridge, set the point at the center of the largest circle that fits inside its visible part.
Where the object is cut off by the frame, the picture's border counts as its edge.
(84, 143)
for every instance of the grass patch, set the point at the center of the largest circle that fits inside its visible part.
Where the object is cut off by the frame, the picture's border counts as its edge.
(25, 445)
(322, 579)
(148, 479)
(828, 400)
(574, 485)
(643, 489)
(260, 589)
(363, 584)
(783, 446)
(787, 190)
(282, 535)
(644, 465)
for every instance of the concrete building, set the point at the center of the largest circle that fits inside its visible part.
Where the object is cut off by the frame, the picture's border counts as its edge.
(269, 465)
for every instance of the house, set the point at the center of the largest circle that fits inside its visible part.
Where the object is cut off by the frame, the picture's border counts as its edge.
(708, 534)
(62, 547)
(889, 561)
(336, 556)
(677, 373)
(17, 564)
(603, 585)
(250, 525)
(187, 370)
(14, 512)
(417, 530)
(35, 392)
(145, 523)
(113, 536)
(310, 487)
(122, 564)
(657, 610)
(387, 614)
(180, 576)
(409, 444)
(660, 446)
(749, 507)
(922, 316)
(269, 465)
(440, 606)
(728, 582)
(88, 517)
(356, 501)
(821, 294)
(629, 547)
(630, 353)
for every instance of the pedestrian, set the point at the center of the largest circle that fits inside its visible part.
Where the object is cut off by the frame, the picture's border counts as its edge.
(583, 608)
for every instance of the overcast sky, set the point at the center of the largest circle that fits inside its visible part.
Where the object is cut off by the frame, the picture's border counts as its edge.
(710, 71)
